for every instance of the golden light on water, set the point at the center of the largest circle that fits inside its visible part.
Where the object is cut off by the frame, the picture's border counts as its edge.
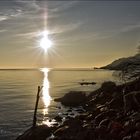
(46, 97)
(45, 91)
(45, 94)
(45, 42)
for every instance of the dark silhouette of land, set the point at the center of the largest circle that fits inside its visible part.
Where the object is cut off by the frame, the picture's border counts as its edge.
(112, 112)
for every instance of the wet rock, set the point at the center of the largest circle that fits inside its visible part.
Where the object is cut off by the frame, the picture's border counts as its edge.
(38, 133)
(137, 96)
(73, 98)
(135, 116)
(101, 132)
(69, 110)
(71, 129)
(105, 115)
(73, 122)
(71, 114)
(82, 116)
(129, 127)
(116, 130)
(116, 126)
(90, 117)
(61, 130)
(127, 138)
(59, 107)
(55, 124)
(104, 122)
(68, 117)
(94, 93)
(79, 110)
(65, 114)
(137, 125)
(116, 103)
(122, 134)
(108, 87)
(105, 94)
(130, 102)
(62, 138)
(137, 135)
(58, 118)
(132, 86)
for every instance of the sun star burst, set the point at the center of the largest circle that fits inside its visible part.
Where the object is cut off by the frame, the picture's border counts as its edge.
(45, 42)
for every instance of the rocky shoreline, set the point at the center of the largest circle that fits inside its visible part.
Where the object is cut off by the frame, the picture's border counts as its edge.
(111, 113)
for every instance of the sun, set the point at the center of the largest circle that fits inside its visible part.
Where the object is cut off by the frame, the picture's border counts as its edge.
(45, 42)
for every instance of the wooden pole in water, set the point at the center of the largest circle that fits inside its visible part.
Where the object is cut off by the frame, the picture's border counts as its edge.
(36, 106)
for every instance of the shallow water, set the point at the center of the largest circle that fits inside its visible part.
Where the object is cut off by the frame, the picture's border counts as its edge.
(18, 90)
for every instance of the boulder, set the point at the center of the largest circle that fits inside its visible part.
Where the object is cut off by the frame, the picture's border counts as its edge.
(38, 133)
(110, 114)
(116, 103)
(73, 98)
(61, 130)
(58, 118)
(130, 102)
(108, 87)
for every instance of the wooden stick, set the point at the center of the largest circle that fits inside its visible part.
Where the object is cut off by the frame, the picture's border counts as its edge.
(36, 106)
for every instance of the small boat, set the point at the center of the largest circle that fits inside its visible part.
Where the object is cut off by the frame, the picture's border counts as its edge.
(87, 83)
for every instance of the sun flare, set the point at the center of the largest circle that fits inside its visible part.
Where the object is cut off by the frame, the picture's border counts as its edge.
(45, 42)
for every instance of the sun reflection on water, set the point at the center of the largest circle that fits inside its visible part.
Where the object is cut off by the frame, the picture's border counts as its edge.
(45, 94)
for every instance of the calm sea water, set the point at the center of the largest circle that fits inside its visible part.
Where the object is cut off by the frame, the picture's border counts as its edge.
(18, 90)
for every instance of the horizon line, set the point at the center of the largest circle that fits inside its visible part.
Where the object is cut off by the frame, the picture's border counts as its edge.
(18, 68)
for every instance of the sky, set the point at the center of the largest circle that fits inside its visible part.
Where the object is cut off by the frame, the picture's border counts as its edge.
(83, 33)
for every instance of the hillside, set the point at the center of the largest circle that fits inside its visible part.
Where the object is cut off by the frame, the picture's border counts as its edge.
(132, 62)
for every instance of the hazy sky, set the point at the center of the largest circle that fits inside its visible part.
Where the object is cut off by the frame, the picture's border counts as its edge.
(84, 33)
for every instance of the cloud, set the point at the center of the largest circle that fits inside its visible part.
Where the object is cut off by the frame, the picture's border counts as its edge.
(2, 18)
(15, 8)
(55, 30)
(55, 8)
(28, 6)
(65, 28)
(1, 31)
(124, 29)
(130, 27)
(117, 32)
(63, 5)
(28, 35)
